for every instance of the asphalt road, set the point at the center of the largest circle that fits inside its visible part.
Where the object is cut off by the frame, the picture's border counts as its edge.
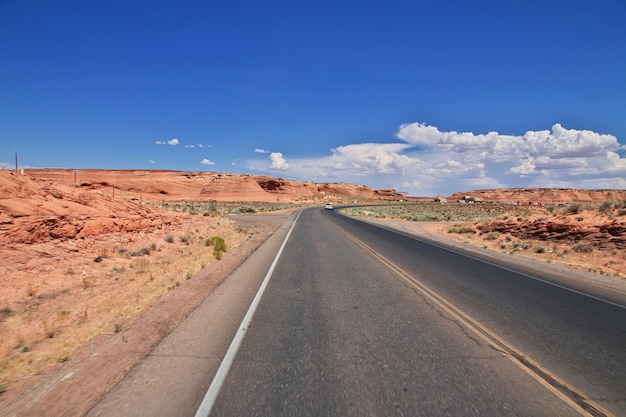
(361, 321)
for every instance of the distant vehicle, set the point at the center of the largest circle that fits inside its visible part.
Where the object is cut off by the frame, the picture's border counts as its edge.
(328, 206)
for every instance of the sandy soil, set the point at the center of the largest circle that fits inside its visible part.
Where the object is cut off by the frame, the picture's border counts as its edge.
(70, 387)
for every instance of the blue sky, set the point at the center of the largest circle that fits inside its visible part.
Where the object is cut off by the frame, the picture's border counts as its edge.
(425, 97)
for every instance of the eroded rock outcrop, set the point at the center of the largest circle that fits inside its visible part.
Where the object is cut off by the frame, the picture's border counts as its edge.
(606, 236)
(33, 210)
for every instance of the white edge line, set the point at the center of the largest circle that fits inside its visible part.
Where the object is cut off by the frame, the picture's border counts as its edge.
(222, 372)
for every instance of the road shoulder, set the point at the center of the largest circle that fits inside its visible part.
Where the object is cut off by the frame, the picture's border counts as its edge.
(73, 387)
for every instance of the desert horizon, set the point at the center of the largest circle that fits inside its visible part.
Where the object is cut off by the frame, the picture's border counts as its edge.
(86, 253)
(244, 188)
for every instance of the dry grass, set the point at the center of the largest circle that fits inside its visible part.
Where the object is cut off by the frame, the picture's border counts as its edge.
(45, 327)
(578, 255)
(465, 220)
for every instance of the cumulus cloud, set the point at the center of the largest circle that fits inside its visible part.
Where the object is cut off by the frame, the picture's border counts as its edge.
(171, 142)
(369, 158)
(558, 143)
(420, 134)
(257, 150)
(428, 161)
(278, 161)
(540, 153)
(207, 162)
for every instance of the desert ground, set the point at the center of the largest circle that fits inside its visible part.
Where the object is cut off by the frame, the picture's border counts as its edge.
(109, 262)
(588, 236)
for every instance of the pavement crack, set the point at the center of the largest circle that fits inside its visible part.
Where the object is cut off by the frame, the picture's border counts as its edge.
(470, 335)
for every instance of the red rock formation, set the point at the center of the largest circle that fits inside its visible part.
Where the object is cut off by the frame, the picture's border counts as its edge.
(173, 185)
(541, 195)
(33, 210)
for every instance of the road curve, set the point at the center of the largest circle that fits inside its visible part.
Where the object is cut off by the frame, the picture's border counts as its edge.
(358, 320)
(340, 331)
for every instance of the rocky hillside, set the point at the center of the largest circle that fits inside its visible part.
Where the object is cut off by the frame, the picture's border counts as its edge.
(540, 195)
(606, 232)
(33, 210)
(172, 185)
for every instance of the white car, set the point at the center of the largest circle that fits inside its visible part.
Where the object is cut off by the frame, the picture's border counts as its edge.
(328, 206)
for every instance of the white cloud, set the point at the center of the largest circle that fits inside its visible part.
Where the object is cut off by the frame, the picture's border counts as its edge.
(207, 162)
(171, 142)
(278, 162)
(200, 145)
(420, 134)
(427, 161)
(257, 150)
(152, 161)
(372, 158)
(190, 146)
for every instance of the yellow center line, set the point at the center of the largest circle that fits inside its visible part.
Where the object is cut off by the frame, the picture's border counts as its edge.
(553, 383)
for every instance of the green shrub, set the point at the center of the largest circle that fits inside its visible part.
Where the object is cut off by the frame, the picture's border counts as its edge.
(141, 252)
(575, 208)
(244, 209)
(219, 246)
(492, 236)
(216, 241)
(607, 206)
(582, 248)
(461, 229)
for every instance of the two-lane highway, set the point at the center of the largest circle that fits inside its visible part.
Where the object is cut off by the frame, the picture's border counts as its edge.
(352, 319)
(358, 320)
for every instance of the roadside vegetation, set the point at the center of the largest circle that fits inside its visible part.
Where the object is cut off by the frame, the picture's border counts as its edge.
(213, 208)
(583, 235)
(102, 291)
(433, 212)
